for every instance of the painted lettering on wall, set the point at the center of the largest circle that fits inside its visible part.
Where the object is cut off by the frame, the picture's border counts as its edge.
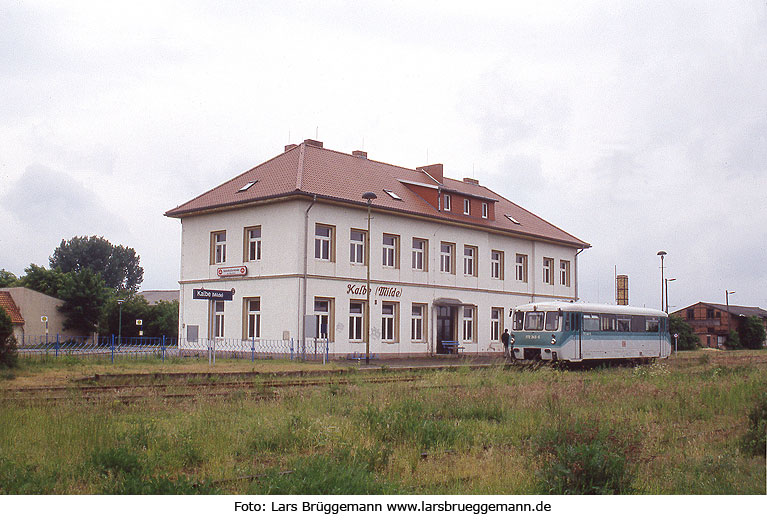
(381, 291)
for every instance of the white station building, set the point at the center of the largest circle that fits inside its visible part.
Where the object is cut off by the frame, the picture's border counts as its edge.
(283, 251)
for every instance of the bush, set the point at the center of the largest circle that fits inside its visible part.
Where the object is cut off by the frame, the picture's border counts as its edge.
(8, 355)
(755, 440)
(752, 333)
(733, 340)
(583, 458)
(687, 339)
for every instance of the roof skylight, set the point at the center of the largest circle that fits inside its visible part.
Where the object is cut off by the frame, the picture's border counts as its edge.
(393, 194)
(512, 219)
(247, 185)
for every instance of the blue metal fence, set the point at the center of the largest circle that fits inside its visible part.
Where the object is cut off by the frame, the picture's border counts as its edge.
(112, 346)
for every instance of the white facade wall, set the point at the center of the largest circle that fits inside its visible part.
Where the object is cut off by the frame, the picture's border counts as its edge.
(277, 279)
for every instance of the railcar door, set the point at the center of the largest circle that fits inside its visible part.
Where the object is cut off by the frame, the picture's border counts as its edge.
(578, 327)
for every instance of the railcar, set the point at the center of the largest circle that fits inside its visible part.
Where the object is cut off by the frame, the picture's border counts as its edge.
(577, 332)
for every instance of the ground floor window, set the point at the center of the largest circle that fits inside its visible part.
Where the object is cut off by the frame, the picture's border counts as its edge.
(469, 314)
(218, 320)
(389, 321)
(323, 311)
(417, 322)
(253, 318)
(496, 323)
(356, 320)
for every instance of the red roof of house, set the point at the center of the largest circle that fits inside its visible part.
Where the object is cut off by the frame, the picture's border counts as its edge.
(9, 305)
(309, 169)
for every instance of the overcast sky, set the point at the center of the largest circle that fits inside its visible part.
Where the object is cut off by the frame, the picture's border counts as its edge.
(635, 126)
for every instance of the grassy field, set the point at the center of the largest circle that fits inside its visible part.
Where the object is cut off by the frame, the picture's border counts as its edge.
(675, 427)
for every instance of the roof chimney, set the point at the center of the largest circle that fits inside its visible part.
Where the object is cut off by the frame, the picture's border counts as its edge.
(435, 171)
(288, 147)
(471, 180)
(360, 154)
(313, 143)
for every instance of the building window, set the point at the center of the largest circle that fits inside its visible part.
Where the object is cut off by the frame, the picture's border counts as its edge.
(548, 266)
(420, 254)
(690, 314)
(484, 210)
(521, 268)
(496, 323)
(253, 318)
(391, 250)
(218, 247)
(418, 323)
(468, 323)
(466, 207)
(446, 255)
(389, 321)
(496, 264)
(323, 242)
(253, 244)
(356, 320)
(323, 310)
(218, 319)
(564, 273)
(357, 247)
(470, 261)
(448, 201)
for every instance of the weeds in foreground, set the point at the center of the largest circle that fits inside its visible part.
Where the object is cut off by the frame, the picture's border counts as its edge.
(754, 442)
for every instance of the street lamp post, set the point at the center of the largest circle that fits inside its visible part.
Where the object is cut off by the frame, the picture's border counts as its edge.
(120, 324)
(727, 294)
(662, 255)
(369, 196)
(667, 280)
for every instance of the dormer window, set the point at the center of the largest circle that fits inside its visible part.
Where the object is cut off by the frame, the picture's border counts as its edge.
(484, 210)
(466, 207)
(446, 205)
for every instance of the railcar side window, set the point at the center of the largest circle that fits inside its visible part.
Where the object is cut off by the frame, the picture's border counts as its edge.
(608, 323)
(652, 324)
(624, 323)
(591, 322)
(552, 321)
(519, 320)
(534, 321)
(637, 323)
(567, 327)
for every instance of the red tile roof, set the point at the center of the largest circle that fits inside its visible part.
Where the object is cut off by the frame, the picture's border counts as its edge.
(309, 169)
(9, 305)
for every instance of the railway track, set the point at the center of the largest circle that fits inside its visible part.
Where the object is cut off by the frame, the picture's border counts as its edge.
(136, 391)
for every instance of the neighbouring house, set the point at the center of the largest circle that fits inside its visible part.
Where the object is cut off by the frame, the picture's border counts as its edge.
(34, 315)
(155, 296)
(712, 322)
(283, 250)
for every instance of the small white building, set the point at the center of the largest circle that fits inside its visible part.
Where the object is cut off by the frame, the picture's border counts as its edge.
(285, 248)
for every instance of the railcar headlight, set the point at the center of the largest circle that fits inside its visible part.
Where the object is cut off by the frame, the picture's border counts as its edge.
(511, 339)
(553, 339)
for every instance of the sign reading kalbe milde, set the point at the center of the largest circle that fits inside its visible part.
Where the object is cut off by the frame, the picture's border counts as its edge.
(215, 295)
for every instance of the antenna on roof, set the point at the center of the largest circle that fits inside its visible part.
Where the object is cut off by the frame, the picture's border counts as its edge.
(317, 132)
(288, 135)
(427, 155)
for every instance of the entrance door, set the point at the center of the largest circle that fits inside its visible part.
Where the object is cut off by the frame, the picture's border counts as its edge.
(445, 326)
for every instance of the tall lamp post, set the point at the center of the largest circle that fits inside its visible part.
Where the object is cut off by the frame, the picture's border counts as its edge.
(369, 196)
(667, 280)
(120, 324)
(727, 294)
(662, 255)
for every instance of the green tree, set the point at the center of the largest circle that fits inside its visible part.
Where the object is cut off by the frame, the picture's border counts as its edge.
(7, 278)
(118, 265)
(687, 339)
(158, 320)
(733, 340)
(164, 319)
(84, 293)
(41, 279)
(752, 334)
(8, 356)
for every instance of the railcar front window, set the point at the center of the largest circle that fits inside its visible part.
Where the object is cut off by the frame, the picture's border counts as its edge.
(534, 321)
(591, 323)
(519, 320)
(552, 321)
